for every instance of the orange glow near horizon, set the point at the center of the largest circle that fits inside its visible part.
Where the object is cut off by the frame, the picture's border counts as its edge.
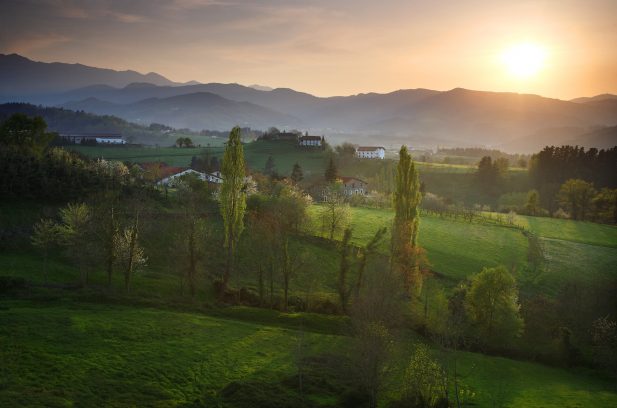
(524, 60)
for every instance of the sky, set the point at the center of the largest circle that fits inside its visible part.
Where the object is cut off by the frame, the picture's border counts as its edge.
(332, 47)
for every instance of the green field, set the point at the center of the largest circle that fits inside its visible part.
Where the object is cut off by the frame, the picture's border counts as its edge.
(583, 252)
(89, 355)
(576, 231)
(173, 156)
(93, 355)
(256, 154)
(455, 249)
(156, 347)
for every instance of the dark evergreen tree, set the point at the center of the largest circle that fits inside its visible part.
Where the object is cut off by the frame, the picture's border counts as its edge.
(331, 171)
(270, 167)
(296, 173)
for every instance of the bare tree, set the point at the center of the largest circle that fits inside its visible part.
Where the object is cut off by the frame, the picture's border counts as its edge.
(335, 212)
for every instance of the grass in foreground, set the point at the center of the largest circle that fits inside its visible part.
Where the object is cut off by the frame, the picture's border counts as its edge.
(69, 354)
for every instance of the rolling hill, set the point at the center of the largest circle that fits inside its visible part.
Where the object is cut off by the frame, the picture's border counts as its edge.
(200, 110)
(420, 117)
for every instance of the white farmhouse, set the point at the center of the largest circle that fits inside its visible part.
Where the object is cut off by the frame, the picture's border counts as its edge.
(174, 178)
(371, 152)
(311, 141)
(101, 138)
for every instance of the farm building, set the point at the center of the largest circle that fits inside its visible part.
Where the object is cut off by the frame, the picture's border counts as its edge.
(354, 186)
(102, 138)
(172, 179)
(311, 141)
(371, 152)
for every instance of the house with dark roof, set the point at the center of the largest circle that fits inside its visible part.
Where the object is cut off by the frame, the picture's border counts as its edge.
(311, 141)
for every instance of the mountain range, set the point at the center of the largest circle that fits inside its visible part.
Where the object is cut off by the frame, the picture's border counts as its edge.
(420, 117)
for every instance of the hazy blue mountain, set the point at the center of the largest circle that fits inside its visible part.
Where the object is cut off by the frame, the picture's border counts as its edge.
(201, 110)
(21, 77)
(419, 117)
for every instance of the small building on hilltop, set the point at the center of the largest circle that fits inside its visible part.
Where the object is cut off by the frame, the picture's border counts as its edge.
(371, 152)
(311, 141)
(354, 186)
(99, 138)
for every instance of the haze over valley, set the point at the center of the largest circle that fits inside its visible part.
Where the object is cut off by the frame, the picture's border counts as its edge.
(424, 118)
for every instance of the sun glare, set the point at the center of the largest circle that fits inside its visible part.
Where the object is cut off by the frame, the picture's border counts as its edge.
(524, 60)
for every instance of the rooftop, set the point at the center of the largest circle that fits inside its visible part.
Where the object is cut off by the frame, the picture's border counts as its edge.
(370, 148)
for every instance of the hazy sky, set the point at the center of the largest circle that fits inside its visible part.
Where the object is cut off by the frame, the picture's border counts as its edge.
(328, 47)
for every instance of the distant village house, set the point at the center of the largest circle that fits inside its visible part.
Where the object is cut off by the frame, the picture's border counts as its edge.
(311, 141)
(101, 138)
(371, 152)
(354, 186)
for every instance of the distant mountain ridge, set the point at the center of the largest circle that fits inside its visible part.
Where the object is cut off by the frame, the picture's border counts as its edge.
(21, 76)
(596, 98)
(418, 117)
(200, 110)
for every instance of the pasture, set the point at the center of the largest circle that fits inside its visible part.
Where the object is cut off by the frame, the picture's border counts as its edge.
(256, 154)
(91, 355)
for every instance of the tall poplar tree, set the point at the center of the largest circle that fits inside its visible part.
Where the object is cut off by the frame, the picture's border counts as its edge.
(233, 199)
(406, 219)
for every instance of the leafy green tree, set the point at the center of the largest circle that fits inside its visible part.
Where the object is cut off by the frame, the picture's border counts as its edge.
(180, 142)
(345, 150)
(532, 207)
(331, 174)
(489, 174)
(406, 219)
(501, 166)
(232, 200)
(576, 197)
(605, 205)
(426, 382)
(492, 306)
(25, 134)
(297, 174)
(45, 236)
(74, 235)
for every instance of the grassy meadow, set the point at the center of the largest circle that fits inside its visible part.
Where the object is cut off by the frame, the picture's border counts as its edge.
(98, 346)
(256, 155)
(91, 355)
(93, 348)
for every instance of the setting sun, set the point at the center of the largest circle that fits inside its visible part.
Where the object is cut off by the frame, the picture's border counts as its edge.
(524, 60)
